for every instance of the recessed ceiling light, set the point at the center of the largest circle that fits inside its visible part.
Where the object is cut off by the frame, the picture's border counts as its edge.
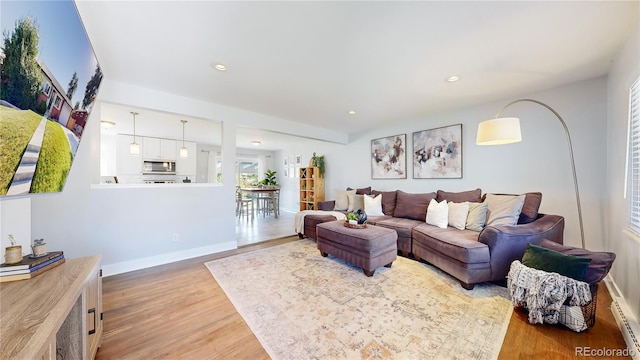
(220, 67)
(453, 78)
(255, 143)
(352, 112)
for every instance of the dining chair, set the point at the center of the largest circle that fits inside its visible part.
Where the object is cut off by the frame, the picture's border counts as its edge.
(244, 205)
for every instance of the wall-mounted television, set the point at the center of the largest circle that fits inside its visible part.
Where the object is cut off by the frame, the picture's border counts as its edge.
(49, 80)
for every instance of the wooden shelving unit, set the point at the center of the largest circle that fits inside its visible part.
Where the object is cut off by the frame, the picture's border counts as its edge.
(311, 188)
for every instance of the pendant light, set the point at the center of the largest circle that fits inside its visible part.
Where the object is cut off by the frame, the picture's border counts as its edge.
(134, 147)
(184, 152)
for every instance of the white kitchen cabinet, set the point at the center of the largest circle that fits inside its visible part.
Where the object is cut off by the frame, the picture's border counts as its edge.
(187, 166)
(108, 144)
(127, 164)
(158, 149)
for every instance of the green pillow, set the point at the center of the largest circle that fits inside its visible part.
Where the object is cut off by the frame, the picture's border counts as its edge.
(540, 258)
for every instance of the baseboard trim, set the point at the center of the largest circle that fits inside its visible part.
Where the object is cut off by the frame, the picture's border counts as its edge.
(143, 263)
(628, 324)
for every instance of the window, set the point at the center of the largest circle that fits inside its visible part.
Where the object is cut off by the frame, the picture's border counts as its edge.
(47, 88)
(57, 102)
(633, 162)
(247, 173)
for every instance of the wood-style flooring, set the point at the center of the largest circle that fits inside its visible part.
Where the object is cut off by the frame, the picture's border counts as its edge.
(178, 311)
(251, 230)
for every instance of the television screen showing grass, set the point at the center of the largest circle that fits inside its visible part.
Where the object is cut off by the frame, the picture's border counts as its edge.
(49, 81)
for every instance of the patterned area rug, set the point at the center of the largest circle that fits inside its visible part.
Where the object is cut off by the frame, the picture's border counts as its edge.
(303, 306)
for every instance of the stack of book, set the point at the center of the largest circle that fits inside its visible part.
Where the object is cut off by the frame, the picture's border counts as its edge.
(30, 266)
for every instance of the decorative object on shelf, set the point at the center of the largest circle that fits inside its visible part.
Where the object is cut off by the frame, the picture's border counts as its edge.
(499, 131)
(13, 253)
(134, 147)
(437, 153)
(186, 180)
(389, 157)
(317, 161)
(184, 152)
(356, 220)
(361, 216)
(38, 247)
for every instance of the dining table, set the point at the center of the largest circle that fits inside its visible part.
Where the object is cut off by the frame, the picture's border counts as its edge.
(255, 191)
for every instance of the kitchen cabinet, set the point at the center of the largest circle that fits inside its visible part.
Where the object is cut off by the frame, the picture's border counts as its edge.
(187, 166)
(108, 144)
(158, 149)
(127, 164)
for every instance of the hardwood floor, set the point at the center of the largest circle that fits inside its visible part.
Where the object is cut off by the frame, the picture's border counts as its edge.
(178, 311)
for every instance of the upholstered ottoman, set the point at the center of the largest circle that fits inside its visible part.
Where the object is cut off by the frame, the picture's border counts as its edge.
(310, 223)
(368, 248)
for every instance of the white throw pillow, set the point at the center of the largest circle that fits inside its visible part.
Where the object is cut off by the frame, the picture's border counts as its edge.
(351, 194)
(458, 214)
(503, 209)
(342, 199)
(373, 205)
(438, 214)
(358, 202)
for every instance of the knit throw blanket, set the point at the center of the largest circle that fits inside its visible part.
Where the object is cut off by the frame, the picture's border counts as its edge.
(298, 221)
(543, 293)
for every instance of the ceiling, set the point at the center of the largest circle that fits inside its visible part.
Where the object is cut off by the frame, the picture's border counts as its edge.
(167, 125)
(312, 62)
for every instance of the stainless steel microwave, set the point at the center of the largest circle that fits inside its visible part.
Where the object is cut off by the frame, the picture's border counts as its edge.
(158, 167)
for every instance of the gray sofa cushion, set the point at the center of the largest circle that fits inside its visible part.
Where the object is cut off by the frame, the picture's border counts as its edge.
(362, 191)
(530, 208)
(459, 197)
(373, 220)
(402, 226)
(412, 206)
(388, 201)
(461, 245)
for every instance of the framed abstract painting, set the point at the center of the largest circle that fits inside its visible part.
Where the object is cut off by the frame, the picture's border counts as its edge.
(437, 153)
(389, 157)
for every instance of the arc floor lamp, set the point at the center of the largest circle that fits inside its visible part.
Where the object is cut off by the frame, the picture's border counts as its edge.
(506, 130)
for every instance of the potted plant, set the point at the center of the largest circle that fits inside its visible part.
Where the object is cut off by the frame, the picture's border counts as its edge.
(269, 178)
(318, 161)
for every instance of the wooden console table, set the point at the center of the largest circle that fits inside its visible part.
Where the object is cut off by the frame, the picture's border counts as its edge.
(57, 314)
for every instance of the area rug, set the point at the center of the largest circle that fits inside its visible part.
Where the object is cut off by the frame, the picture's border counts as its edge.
(301, 305)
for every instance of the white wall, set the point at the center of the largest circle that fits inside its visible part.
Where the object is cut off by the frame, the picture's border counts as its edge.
(15, 219)
(133, 227)
(626, 269)
(539, 163)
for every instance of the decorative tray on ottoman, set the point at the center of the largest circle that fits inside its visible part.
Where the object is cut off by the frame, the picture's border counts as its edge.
(355, 226)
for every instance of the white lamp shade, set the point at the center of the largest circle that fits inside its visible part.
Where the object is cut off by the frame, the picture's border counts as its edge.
(134, 149)
(499, 131)
(184, 152)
